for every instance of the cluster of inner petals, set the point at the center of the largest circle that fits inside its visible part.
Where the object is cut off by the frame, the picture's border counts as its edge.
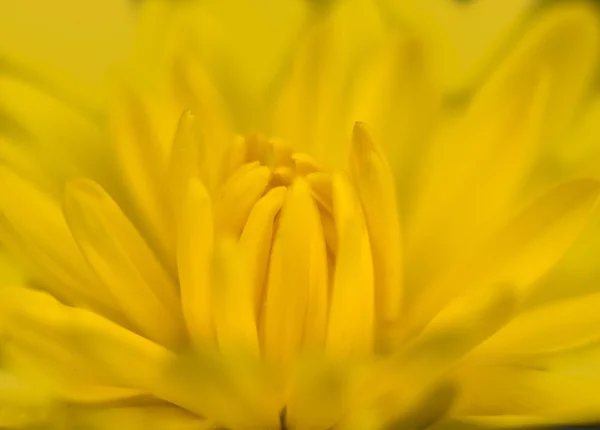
(318, 250)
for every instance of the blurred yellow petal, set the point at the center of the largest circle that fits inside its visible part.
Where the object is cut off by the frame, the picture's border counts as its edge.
(463, 37)
(135, 417)
(130, 272)
(480, 162)
(524, 249)
(81, 39)
(236, 392)
(307, 110)
(551, 328)
(242, 262)
(561, 388)
(23, 405)
(56, 259)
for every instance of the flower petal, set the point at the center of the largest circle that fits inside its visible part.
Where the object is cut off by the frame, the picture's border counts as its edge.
(375, 188)
(233, 301)
(84, 40)
(353, 290)
(557, 326)
(309, 110)
(554, 390)
(78, 344)
(233, 392)
(46, 245)
(195, 243)
(290, 300)
(523, 250)
(123, 261)
(257, 237)
(472, 175)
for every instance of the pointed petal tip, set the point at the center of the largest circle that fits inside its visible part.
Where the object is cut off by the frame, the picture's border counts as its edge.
(362, 141)
(584, 187)
(83, 186)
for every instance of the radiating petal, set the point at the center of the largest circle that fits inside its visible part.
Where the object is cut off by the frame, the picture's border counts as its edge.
(239, 49)
(256, 240)
(238, 196)
(151, 416)
(144, 161)
(524, 249)
(46, 246)
(195, 243)
(233, 301)
(353, 292)
(472, 177)
(289, 296)
(319, 396)
(375, 188)
(551, 328)
(551, 390)
(395, 96)
(233, 392)
(95, 349)
(23, 405)
(82, 39)
(63, 140)
(194, 89)
(123, 261)
(309, 109)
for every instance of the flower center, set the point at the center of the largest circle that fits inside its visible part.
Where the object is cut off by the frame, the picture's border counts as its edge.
(315, 243)
(279, 205)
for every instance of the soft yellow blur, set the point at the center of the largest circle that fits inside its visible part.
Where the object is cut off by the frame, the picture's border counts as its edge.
(353, 214)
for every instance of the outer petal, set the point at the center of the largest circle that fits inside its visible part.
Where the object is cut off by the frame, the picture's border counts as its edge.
(310, 110)
(463, 38)
(82, 39)
(549, 390)
(523, 250)
(473, 174)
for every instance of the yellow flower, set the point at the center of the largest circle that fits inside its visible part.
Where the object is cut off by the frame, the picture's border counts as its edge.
(260, 261)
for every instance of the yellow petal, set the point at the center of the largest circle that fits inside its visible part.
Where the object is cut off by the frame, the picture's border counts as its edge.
(549, 45)
(59, 372)
(307, 111)
(46, 245)
(187, 158)
(145, 163)
(95, 349)
(122, 260)
(557, 326)
(232, 392)
(319, 395)
(47, 125)
(196, 90)
(256, 240)
(551, 391)
(83, 40)
(233, 301)
(152, 416)
(472, 177)
(240, 51)
(524, 249)
(353, 290)
(428, 409)
(376, 191)
(541, 83)
(23, 404)
(195, 239)
(456, 330)
(290, 281)
(238, 196)
(395, 96)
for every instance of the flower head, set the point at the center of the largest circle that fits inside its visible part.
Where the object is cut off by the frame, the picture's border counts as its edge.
(318, 274)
